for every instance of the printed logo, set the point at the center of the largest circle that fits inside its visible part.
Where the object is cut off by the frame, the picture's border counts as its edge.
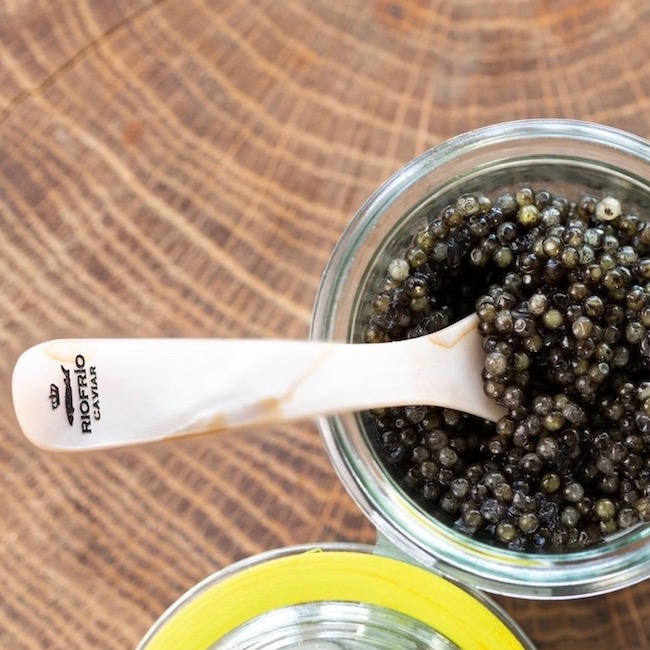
(87, 394)
(69, 409)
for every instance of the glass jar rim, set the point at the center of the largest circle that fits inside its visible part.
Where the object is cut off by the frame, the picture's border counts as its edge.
(252, 589)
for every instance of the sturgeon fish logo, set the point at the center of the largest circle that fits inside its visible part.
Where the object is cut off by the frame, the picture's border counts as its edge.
(69, 408)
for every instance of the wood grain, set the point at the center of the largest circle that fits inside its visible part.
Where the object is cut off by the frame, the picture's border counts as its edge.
(184, 168)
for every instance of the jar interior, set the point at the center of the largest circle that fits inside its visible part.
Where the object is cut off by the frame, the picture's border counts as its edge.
(568, 177)
(334, 626)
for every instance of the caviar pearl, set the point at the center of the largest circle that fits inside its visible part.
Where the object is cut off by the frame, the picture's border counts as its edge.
(608, 209)
(398, 270)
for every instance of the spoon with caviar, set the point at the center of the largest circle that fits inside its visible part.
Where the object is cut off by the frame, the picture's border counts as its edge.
(83, 394)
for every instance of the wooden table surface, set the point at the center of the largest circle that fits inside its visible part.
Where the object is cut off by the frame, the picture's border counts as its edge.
(183, 168)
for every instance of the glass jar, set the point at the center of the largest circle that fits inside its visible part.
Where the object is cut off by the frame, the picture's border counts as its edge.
(330, 597)
(565, 157)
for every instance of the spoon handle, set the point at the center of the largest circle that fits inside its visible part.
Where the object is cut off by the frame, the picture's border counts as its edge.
(81, 394)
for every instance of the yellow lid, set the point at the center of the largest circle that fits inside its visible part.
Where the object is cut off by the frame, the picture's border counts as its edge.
(198, 622)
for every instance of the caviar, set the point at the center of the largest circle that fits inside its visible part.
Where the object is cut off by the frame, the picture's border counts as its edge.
(562, 293)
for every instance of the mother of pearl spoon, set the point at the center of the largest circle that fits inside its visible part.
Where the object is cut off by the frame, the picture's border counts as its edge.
(82, 394)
